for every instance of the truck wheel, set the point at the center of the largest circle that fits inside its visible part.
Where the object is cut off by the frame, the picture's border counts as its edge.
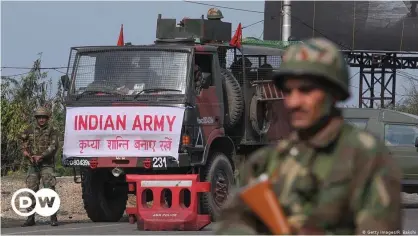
(234, 97)
(103, 201)
(260, 115)
(220, 174)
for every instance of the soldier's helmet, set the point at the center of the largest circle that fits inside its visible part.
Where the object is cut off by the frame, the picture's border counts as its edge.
(214, 14)
(318, 59)
(41, 111)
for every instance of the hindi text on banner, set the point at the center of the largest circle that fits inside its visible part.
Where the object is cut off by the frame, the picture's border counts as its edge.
(127, 132)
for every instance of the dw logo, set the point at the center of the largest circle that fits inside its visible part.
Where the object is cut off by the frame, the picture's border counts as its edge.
(47, 202)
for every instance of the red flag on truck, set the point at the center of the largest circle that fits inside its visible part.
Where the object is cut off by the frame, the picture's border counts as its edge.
(236, 40)
(120, 41)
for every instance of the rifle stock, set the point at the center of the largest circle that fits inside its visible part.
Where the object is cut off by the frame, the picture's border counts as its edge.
(264, 203)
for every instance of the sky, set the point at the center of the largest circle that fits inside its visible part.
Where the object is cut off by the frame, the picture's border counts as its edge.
(53, 27)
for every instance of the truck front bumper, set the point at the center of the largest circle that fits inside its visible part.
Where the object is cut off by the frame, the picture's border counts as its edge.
(159, 163)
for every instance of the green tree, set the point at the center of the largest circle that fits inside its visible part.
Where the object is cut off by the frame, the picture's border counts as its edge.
(409, 103)
(19, 98)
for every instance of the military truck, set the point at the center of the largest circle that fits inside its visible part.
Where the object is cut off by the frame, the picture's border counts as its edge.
(229, 106)
(399, 131)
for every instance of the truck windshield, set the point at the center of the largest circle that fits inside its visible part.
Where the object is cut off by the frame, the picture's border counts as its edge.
(131, 72)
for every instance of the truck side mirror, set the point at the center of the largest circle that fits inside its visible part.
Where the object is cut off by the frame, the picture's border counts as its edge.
(65, 81)
(416, 142)
(206, 80)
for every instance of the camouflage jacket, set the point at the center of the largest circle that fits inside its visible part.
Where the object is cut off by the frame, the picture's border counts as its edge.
(340, 181)
(41, 141)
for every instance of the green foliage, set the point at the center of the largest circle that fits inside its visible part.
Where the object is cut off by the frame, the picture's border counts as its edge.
(19, 98)
(410, 102)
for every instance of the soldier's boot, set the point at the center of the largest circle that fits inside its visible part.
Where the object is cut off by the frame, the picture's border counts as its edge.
(30, 221)
(54, 220)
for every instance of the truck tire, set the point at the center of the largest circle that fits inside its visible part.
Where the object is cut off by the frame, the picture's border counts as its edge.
(235, 100)
(102, 202)
(220, 174)
(260, 115)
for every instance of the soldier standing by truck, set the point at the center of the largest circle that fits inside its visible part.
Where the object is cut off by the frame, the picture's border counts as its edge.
(216, 15)
(39, 146)
(329, 177)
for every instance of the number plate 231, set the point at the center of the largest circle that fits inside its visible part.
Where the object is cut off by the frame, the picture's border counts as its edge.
(159, 162)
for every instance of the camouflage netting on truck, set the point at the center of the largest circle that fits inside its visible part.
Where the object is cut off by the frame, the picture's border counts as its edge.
(268, 43)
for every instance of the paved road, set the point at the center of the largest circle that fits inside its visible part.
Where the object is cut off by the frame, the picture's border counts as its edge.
(124, 228)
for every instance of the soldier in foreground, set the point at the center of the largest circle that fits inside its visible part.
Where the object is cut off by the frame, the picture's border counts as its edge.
(328, 176)
(39, 146)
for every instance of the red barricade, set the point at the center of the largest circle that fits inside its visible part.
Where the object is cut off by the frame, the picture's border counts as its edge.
(159, 216)
(131, 211)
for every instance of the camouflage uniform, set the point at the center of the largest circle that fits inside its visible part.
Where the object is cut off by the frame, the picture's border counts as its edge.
(40, 141)
(339, 180)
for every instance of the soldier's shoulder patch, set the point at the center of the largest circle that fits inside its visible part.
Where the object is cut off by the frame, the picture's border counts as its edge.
(366, 139)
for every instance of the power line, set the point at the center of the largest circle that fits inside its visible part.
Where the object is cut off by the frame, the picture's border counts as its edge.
(205, 4)
(41, 68)
(60, 71)
(403, 74)
(261, 35)
(262, 12)
(397, 94)
(253, 24)
(408, 74)
(230, 8)
(17, 74)
(408, 77)
(354, 75)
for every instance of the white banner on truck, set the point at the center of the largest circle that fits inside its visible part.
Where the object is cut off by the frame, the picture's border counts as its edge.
(123, 131)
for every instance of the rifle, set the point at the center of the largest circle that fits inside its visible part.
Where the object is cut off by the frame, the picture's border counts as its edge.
(34, 163)
(261, 199)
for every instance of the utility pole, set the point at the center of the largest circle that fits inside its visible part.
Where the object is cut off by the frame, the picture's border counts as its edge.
(287, 25)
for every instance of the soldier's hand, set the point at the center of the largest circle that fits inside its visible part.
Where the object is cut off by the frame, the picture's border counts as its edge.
(37, 158)
(26, 154)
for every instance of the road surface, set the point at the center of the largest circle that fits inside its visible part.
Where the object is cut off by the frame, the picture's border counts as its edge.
(124, 228)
